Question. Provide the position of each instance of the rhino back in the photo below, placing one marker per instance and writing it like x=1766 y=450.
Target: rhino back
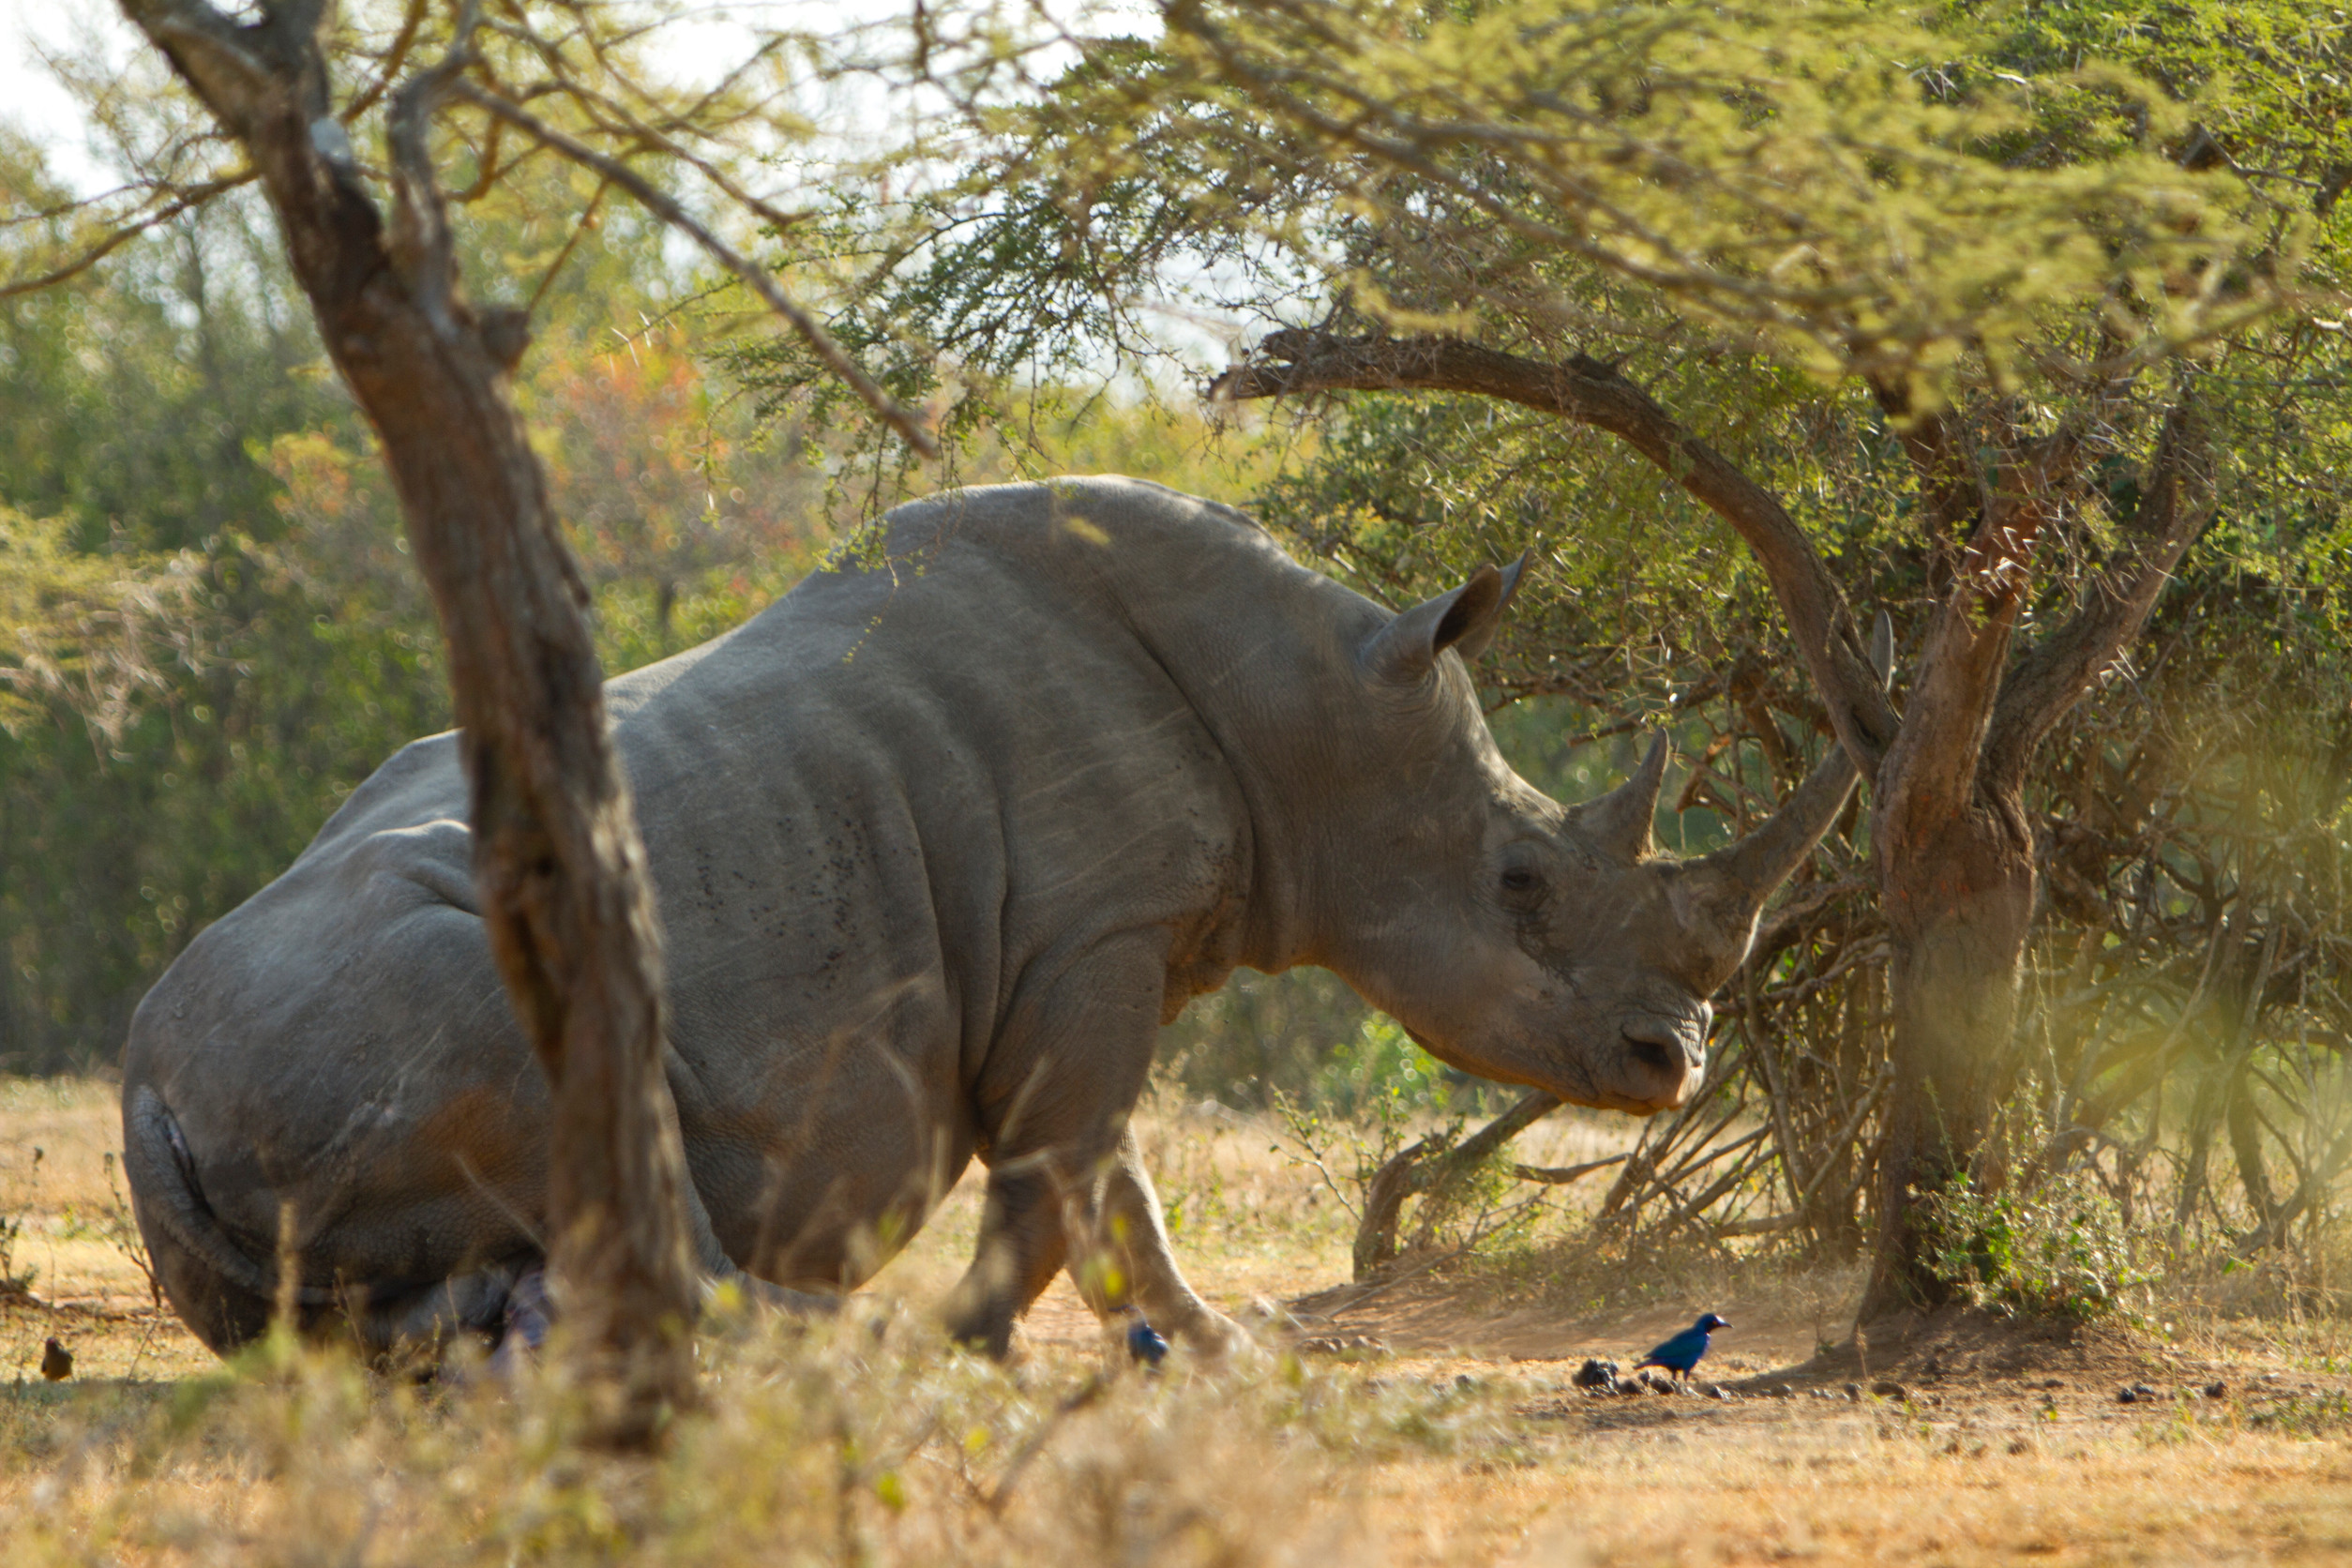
x=881 y=817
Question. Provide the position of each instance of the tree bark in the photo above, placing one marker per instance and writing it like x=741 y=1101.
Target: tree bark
x=1959 y=906
x=559 y=868
x=1949 y=836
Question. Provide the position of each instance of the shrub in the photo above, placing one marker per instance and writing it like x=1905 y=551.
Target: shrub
x=2063 y=1250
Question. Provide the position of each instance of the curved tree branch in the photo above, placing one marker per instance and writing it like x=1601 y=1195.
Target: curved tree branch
x=193 y=197
x=1586 y=391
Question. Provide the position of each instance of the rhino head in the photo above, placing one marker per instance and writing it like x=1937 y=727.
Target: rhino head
x=1515 y=937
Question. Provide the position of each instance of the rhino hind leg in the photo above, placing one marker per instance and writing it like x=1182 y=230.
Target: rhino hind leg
x=1104 y=1226
x=229 y=1296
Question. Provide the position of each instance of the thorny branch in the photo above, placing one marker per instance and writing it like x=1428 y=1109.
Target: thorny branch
x=1299 y=362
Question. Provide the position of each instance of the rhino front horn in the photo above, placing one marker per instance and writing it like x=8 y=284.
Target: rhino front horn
x=1745 y=873
x=1621 y=818
x=1743 y=876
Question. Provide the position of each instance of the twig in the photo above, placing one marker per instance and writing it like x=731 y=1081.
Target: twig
x=195 y=197
x=1088 y=1392
x=821 y=342
x=1561 y=1175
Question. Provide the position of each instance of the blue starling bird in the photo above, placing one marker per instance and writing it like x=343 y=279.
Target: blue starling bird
x=1144 y=1342
x=1680 y=1353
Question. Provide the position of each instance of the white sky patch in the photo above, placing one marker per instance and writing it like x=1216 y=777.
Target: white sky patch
x=35 y=102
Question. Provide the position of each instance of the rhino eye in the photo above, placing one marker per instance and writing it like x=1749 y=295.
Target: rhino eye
x=1519 y=879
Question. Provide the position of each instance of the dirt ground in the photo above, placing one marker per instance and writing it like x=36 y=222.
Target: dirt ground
x=1955 y=1440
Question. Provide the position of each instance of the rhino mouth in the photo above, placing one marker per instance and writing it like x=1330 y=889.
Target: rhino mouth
x=1573 y=1083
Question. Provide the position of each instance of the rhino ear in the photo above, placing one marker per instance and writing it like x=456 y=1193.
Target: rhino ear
x=1464 y=619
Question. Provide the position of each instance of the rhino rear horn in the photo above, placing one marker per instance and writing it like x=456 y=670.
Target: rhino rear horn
x=1464 y=619
x=1621 y=818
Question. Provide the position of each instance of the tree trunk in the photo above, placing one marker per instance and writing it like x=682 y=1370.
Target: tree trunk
x=558 y=865
x=557 y=859
x=1959 y=908
x=556 y=855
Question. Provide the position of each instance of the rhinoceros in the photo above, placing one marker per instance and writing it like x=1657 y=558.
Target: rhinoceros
x=940 y=840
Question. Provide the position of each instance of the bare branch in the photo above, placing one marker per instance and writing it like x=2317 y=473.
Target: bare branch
x=394 y=59
x=900 y=418
x=667 y=147
x=211 y=52
x=1298 y=361
x=420 y=241
x=186 y=201
x=2052 y=677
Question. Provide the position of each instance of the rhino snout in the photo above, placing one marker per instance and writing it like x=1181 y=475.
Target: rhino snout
x=1667 y=1055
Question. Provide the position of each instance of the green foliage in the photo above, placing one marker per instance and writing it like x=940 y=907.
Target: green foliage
x=1378 y=1076
x=2062 y=1251
x=210 y=631
x=2315 y=1417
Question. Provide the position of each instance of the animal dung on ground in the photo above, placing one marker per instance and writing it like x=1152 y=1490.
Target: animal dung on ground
x=56 y=1361
x=2217 y=1389
x=1597 y=1375
x=2137 y=1393
x=1344 y=1345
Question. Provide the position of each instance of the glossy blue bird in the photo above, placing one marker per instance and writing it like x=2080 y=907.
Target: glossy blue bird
x=1144 y=1342
x=1680 y=1353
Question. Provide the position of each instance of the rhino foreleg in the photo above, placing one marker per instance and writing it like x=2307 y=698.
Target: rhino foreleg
x=1066 y=1183
x=1133 y=1236
x=1055 y=1100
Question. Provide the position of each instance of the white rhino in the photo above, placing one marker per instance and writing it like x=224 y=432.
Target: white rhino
x=940 y=840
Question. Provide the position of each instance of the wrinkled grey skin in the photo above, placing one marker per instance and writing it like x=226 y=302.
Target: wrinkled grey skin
x=938 y=846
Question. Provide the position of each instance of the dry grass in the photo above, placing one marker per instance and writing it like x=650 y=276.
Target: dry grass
x=868 y=1440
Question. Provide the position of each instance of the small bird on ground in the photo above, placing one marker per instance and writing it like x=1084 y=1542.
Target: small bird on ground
x=1144 y=1342
x=1680 y=1353
x=56 y=1361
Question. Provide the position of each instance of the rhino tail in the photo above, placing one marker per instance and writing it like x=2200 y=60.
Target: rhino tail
x=167 y=1197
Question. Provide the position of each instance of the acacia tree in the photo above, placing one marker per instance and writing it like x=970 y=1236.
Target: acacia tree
x=355 y=125
x=2025 y=241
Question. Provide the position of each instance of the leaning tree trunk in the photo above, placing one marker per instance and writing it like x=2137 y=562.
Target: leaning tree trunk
x=558 y=865
x=557 y=859
x=1958 y=910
